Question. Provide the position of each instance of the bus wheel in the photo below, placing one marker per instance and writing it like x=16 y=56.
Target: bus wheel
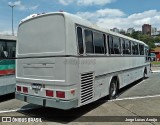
x=144 y=74
x=113 y=89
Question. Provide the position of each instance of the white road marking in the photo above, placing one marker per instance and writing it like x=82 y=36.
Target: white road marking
x=15 y=110
x=138 y=97
x=155 y=71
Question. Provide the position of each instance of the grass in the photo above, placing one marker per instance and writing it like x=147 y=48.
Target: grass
x=155 y=63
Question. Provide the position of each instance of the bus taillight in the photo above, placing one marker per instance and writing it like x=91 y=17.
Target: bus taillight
x=49 y=93
x=19 y=88
x=60 y=94
x=25 y=89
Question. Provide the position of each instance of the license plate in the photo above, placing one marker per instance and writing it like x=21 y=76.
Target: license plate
x=36 y=86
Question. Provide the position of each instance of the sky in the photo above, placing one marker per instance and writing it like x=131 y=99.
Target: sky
x=108 y=14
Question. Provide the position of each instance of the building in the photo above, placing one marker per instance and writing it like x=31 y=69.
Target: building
x=146 y=29
x=130 y=30
x=122 y=32
x=153 y=31
x=156 y=34
x=157 y=44
x=115 y=30
x=156 y=52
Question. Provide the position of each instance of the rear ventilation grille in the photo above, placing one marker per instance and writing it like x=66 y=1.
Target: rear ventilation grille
x=86 y=87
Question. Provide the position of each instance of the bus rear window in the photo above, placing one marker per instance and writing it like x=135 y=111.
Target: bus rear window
x=47 y=37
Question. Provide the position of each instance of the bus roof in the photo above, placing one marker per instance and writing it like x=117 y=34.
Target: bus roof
x=7 y=37
x=78 y=20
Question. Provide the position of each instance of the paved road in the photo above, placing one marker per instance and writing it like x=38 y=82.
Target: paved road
x=140 y=99
x=150 y=86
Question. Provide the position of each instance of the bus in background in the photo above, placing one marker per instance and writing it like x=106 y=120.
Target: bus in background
x=64 y=61
x=7 y=64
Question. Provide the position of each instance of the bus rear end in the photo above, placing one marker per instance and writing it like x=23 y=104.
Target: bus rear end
x=41 y=69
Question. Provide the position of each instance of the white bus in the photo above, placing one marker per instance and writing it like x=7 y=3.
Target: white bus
x=66 y=62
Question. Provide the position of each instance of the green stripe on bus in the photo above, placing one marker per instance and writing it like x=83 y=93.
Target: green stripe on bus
x=7 y=62
x=6 y=67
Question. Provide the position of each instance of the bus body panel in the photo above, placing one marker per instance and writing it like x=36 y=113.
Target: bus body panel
x=42 y=69
x=32 y=71
x=48 y=70
x=128 y=70
x=7 y=84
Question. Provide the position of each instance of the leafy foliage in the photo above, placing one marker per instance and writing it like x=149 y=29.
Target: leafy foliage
x=145 y=38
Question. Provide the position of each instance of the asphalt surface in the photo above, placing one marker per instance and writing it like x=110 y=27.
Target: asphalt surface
x=141 y=100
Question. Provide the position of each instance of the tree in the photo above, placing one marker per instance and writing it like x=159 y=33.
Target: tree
x=151 y=45
x=149 y=40
x=157 y=39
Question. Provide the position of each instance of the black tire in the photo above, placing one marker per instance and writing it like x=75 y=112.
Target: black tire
x=113 y=89
x=144 y=76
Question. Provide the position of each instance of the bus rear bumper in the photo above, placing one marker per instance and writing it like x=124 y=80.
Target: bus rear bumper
x=60 y=104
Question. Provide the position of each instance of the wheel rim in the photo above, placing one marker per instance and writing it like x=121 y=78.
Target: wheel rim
x=113 y=89
x=144 y=75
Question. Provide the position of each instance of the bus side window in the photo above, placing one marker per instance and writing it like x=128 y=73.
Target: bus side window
x=127 y=47
x=105 y=46
x=3 y=50
x=11 y=49
x=133 y=49
x=99 y=43
x=116 y=45
x=123 y=46
x=110 y=44
x=141 y=49
x=3 y=53
x=147 y=54
x=136 y=49
x=80 y=40
x=89 y=41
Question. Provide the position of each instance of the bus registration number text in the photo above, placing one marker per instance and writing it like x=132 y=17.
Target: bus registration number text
x=36 y=87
